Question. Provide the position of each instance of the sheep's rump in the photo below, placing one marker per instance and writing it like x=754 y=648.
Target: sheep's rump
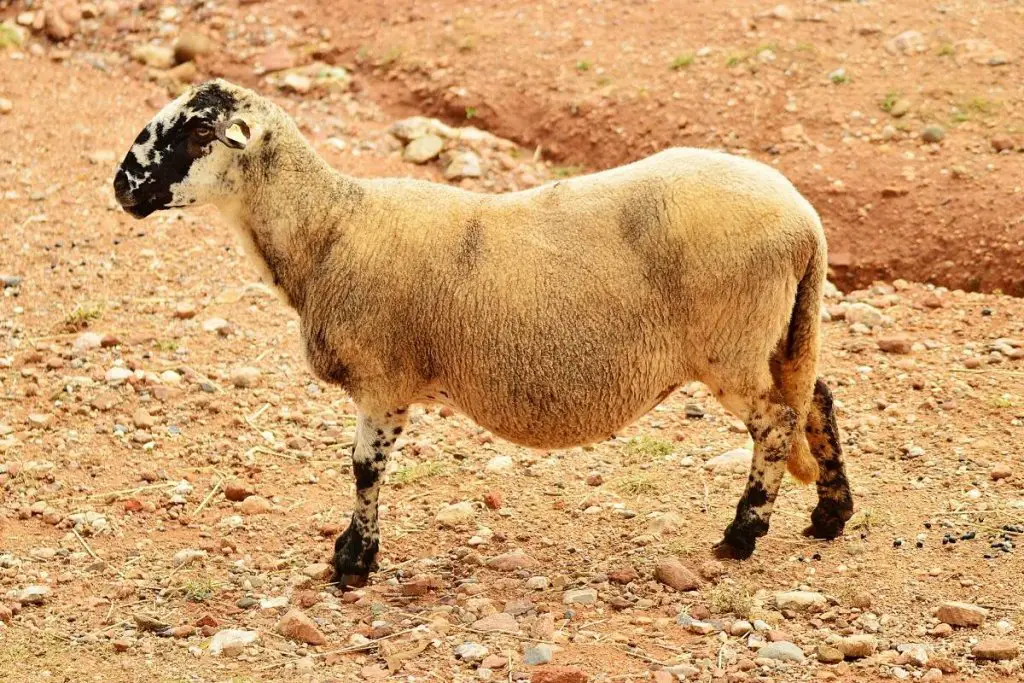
x=557 y=315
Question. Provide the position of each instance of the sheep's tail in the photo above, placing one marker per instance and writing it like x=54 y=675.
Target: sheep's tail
x=798 y=359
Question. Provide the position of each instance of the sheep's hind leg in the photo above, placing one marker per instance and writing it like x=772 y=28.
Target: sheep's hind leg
x=835 y=503
x=771 y=425
x=355 y=551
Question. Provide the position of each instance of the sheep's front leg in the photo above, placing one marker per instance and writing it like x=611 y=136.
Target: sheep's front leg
x=771 y=426
x=355 y=551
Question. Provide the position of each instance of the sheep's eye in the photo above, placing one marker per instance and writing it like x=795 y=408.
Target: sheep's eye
x=203 y=134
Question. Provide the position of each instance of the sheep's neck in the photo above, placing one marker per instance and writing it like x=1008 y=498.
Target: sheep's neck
x=290 y=218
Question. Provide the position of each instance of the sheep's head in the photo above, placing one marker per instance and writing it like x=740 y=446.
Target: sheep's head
x=190 y=152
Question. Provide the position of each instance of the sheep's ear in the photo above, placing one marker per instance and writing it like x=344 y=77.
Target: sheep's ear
x=233 y=133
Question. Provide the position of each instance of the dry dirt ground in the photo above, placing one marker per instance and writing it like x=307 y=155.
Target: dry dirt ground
x=122 y=342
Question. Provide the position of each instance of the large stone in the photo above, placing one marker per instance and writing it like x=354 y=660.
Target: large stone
x=800 y=601
x=672 y=573
x=995 y=649
x=156 y=56
x=297 y=626
x=961 y=614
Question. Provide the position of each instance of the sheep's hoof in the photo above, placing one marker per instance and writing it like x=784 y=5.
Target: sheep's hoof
x=734 y=547
x=354 y=559
x=828 y=523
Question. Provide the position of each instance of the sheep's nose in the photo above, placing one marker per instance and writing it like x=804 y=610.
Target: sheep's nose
x=123 y=190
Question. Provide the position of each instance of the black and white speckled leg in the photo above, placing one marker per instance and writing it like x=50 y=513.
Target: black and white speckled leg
x=835 y=502
x=355 y=551
x=771 y=425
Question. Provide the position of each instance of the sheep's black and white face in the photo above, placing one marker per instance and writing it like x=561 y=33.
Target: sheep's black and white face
x=187 y=155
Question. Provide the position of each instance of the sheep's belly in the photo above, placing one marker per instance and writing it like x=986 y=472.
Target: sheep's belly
x=560 y=422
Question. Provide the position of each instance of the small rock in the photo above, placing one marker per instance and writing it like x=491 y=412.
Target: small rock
x=215 y=324
x=623 y=576
x=296 y=83
x=829 y=655
x=740 y=628
x=666 y=524
x=256 y=505
x=782 y=651
x=297 y=626
x=494 y=662
x=1003 y=143
x=145 y=622
x=538 y=583
x=88 y=341
x=800 y=601
x=899 y=108
x=941 y=631
x=189 y=45
x=864 y=314
x=1001 y=471
x=580 y=596
x=156 y=56
x=32 y=595
x=6 y=107
x=594 y=479
x=862 y=600
x=423 y=149
x=898 y=345
x=456 y=515
x=39 y=420
x=237 y=491
x=672 y=573
x=858 y=647
x=493 y=500
x=511 y=561
x=142 y=419
x=908 y=43
x=712 y=570
x=318 y=572
x=537 y=655
x=499 y=621
x=559 y=674
x=961 y=614
x=57 y=27
x=995 y=649
x=245 y=378
x=231 y=641
x=471 y=652
x=463 y=165
x=183 y=558
x=933 y=133
x=736 y=460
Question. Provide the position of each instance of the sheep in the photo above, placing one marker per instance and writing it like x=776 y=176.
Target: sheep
x=553 y=317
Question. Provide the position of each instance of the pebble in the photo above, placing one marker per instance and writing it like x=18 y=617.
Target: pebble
x=245 y=378
x=829 y=655
x=499 y=621
x=1001 y=471
x=666 y=524
x=623 y=576
x=933 y=133
x=511 y=561
x=858 y=647
x=537 y=655
x=215 y=324
x=864 y=314
x=463 y=165
x=800 y=601
x=297 y=83
x=538 y=583
x=471 y=652
x=320 y=571
x=995 y=649
x=32 y=595
x=237 y=491
x=783 y=651
x=231 y=641
x=297 y=626
x=493 y=500
x=256 y=505
x=499 y=463
x=896 y=345
x=862 y=600
x=185 y=557
x=456 y=514
x=494 y=662
x=672 y=573
x=740 y=628
x=184 y=310
x=117 y=375
x=189 y=45
x=580 y=596
x=6 y=107
x=423 y=149
x=961 y=614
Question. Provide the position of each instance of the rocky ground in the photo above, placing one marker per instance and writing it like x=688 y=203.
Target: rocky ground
x=172 y=477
